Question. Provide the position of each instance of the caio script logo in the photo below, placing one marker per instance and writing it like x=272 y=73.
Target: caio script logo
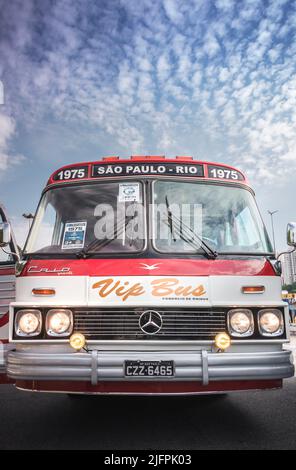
x=164 y=287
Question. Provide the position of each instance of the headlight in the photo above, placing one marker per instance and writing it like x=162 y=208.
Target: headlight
x=59 y=322
x=28 y=322
x=240 y=322
x=271 y=322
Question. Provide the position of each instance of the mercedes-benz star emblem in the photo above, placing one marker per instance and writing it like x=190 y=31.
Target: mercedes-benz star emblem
x=150 y=322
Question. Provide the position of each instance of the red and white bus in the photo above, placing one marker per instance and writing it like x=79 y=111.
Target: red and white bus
x=148 y=275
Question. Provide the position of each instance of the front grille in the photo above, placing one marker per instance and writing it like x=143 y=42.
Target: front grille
x=123 y=324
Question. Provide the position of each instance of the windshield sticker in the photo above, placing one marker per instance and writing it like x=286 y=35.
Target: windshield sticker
x=74 y=235
x=129 y=192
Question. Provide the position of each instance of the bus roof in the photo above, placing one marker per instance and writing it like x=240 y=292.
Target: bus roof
x=148 y=165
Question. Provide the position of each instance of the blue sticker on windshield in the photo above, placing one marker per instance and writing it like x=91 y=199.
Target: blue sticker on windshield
x=74 y=235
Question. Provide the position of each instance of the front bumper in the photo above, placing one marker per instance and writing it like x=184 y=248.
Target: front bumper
x=3 y=355
x=4 y=348
x=107 y=366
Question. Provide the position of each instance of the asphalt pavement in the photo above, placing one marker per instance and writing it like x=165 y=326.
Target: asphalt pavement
x=245 y=420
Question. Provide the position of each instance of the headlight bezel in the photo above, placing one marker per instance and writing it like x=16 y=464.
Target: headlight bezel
x=234 y=333
x=55 y=311
x=280 y=331
x=28 y=311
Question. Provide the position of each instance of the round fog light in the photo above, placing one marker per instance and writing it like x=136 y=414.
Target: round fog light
x=222 y=341
x=77 y=341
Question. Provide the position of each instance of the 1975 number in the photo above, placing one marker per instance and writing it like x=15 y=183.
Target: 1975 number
x=71 y=174
x=224 y=173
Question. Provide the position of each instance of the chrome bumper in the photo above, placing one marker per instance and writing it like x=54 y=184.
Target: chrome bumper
x=202 y=366
x=4 y=350
x=3 y=358
x=2 y=364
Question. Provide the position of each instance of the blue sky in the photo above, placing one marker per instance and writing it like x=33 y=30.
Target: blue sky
x=213 y=79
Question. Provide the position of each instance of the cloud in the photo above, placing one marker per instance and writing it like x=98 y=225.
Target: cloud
x=20 y=229
x=207 y=78
x=211 y=45
x=225 y=5
x=7 y=131
x=172 y=10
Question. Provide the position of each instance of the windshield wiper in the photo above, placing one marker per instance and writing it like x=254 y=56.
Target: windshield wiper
x=109 y=237
x=175 y=222
x=170 y=218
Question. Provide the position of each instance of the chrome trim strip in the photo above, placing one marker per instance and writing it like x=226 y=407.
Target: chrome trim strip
x=157 y=343
x=4 y=349
x=205 y=367
x=7 y=266
x=94 y=367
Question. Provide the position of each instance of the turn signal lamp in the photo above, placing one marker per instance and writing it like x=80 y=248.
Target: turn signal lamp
x=41 y=291
x=222 y=341
x=77 y=341
x=253 y=289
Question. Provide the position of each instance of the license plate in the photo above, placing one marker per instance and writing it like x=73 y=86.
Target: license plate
x=149 y=368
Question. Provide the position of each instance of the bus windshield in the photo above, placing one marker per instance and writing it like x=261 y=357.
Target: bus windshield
x=106 y=216
x=183 y=218
x=226 y=218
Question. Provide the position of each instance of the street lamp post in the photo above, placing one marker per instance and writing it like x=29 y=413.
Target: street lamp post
x=29 y=217
x=271 y=213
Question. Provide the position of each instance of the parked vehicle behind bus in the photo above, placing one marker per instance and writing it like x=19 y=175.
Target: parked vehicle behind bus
x=148 y=276
x=8 y=257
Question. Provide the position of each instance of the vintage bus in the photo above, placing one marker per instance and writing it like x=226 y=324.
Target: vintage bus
x=148 y=275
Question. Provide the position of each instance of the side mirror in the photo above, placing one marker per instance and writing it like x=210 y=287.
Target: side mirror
x=291 y=234
x=5 y=234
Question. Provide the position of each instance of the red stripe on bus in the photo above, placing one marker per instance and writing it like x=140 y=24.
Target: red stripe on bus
x=4 y=380
x=4 y=320
x=149 y=267
x=7 y=272
x=147 y=387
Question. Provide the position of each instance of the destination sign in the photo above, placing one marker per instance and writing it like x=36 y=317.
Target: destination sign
x=139 y=168
x=153 y=169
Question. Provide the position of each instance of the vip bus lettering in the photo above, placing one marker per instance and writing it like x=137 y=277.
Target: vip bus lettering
x=121 y=289
x=159 y=288
x=171 y=286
